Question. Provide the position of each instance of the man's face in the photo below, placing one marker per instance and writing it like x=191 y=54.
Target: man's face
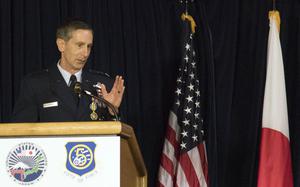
x=75 y=51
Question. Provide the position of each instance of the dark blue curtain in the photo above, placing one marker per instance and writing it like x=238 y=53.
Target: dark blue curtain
x=141 y=40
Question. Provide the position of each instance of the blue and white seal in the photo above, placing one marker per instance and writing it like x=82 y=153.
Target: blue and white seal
x=26 y=163
x=80 y=157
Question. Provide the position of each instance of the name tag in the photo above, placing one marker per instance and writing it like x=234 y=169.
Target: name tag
x=52 y=104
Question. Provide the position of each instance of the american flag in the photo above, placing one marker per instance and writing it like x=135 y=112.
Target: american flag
x=183 y=161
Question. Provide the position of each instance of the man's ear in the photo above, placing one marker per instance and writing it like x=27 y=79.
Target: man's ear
x=60 y=44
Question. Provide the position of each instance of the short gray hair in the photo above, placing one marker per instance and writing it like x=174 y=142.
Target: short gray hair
x=65 y=30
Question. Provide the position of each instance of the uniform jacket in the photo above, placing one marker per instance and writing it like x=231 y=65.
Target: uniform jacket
x=45 y=97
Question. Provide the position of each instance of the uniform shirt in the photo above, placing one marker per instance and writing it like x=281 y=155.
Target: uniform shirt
x=66 y=75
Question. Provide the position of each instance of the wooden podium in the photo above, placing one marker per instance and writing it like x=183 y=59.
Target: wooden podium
x=132 y=169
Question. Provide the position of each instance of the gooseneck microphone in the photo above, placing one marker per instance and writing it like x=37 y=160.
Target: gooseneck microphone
x=79 y=90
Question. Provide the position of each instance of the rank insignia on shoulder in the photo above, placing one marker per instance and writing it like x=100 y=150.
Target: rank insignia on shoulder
x=100 y=73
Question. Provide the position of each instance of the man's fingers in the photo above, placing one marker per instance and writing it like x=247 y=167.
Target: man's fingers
x=103 y=89
x=120 y=85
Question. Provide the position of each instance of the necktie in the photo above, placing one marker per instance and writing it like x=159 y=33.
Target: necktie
x=72 y=82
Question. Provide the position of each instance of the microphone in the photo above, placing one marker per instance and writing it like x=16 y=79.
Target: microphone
x=79 y=90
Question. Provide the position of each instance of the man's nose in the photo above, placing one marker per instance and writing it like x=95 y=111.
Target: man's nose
x=85 y=52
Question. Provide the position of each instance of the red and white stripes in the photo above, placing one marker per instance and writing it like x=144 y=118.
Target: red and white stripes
x=181 y=170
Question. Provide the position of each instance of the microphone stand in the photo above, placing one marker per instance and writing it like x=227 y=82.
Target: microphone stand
x=79 y=90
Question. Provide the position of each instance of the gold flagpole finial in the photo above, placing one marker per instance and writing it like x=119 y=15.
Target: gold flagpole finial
x=191 y=20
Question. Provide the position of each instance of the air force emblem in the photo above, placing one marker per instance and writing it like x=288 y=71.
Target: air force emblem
x=80 y=157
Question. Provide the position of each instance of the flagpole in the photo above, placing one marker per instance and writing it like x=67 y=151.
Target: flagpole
x=274 y=5
x=186 y=7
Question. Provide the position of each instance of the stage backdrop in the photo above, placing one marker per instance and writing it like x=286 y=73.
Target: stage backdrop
x=141 y=40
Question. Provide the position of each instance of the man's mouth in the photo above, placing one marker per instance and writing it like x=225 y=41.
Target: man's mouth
x=81 y=61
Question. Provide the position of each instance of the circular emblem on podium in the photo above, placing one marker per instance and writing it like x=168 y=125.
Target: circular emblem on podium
x=81 y=156
x=26 y=163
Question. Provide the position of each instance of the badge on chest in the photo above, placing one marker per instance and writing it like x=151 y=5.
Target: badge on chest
x=93 y=107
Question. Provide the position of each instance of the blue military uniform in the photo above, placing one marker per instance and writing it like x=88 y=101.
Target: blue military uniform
x=45 y=97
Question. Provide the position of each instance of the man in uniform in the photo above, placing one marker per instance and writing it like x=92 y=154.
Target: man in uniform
x=49 y=95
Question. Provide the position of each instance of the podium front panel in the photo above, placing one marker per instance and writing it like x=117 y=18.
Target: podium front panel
x=89 y=161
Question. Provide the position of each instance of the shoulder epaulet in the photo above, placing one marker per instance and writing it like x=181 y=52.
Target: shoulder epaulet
x=37 y=73
x=99 y=73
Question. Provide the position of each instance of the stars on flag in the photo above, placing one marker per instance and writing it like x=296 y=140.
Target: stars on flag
x=191 y=87
x=195 y=138
x=187 y=110
x=178 y=91
x=184 y=133
x=186 y=122
x=188 y=99
x=187 y=47
x=186 y=58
